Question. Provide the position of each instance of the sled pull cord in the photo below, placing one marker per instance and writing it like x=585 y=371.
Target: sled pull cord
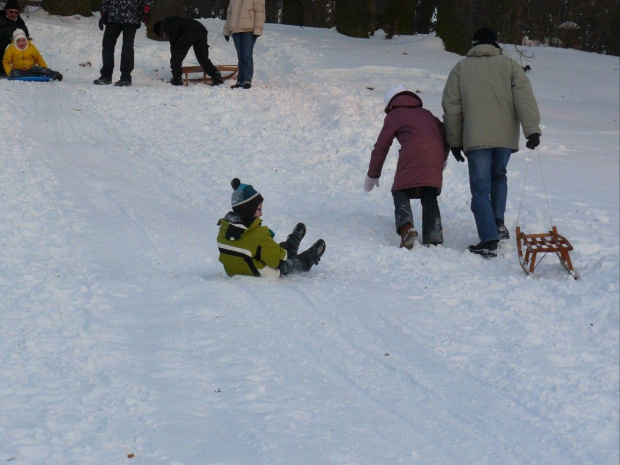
x=544 y=187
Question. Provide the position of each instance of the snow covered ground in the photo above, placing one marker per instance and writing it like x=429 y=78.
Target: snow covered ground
x=122 y=340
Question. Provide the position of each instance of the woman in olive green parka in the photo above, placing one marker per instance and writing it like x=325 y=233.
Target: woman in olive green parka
x=247 y=247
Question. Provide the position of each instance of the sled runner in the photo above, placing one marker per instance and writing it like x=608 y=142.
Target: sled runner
x=31 y=78
x=228 y=72
x=530 y=245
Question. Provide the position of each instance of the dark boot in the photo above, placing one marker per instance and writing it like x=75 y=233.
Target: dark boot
x=123 y=82
x=291 y=245
x=502 y=230
x=217 y=80
x=486 y=249
x=432 y=232
x=304 y=261
x=408 y=236
x=176 y=81
x=102 y=81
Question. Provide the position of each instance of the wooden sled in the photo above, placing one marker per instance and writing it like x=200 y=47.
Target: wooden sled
x=530 y=245
x=228 y=72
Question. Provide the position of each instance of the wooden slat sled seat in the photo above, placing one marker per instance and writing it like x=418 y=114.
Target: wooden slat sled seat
x=228 y=72
x=530 y=245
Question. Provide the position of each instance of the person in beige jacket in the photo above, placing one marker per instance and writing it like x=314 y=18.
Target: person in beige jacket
x=486 y=97
x=245 y=21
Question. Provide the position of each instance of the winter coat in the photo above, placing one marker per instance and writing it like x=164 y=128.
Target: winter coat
x=421 y=136
x=245 y=16
x=179 y=29
x=23 y=60
x=485 y=98
x=124 y=11
x=247 y=248
x=7 y=27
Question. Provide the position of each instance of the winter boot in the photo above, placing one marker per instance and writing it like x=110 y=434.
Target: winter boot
x=294 y=239
x=123 y=82
x=502 y=230
x=102 y=81
x=176 y=81
x=217 y=80
x=486 y=249
x=303 y=261
x=57 y=76
x=238 y=85
x=408 y=236
x=247 y=85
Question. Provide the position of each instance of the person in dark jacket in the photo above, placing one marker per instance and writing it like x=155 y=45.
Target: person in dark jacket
x=421 y=160
x=10 y=20
x=183 y=34
x=120 y=16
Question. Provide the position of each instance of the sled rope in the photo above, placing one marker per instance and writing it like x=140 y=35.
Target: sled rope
x=542 y=175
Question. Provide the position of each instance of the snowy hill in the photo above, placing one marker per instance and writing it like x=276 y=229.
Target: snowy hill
x=121 y=334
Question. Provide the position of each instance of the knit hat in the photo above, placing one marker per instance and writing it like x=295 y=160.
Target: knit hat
x=245 y=199
x=485 y=35
x=18 y=34
x=157 y=28
x=12 y=5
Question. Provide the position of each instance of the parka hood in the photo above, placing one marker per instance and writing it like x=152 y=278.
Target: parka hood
x=484 y=50
x=404 y=99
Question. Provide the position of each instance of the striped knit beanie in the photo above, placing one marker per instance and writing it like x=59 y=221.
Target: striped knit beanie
x=245 y=199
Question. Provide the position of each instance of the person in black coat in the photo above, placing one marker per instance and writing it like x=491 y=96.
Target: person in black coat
x=184 y=33
x=10 y=20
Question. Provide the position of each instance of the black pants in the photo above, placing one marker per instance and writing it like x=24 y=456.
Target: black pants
x=110 y=36
x=432 y=232
x=178 y=52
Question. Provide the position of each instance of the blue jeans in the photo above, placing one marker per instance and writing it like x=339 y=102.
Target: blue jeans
x=244 y=43
x=489 y=188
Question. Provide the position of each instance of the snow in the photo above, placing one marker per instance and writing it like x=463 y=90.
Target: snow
x=122 y=335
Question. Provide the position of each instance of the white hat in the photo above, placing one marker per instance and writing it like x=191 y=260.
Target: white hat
x=18 y=34
x=391 y=92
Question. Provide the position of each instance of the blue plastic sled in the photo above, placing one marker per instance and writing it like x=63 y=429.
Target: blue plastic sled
x=31 y=78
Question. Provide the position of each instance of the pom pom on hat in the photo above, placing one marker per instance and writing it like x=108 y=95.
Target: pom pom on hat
x=245 y=199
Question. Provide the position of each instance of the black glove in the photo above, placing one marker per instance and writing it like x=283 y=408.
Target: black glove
x=256 y=36
x=227 y=38
x=103 y=21
x=533 y=141
x=456 y=152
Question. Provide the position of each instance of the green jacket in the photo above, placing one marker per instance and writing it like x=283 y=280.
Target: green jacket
x=485 y=98
x=247 y=248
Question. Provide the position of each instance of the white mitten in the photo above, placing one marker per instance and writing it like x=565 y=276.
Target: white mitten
x=370 y=183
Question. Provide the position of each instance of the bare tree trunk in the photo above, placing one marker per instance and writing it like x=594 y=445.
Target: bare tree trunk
x=425 y=15
x=273 y=9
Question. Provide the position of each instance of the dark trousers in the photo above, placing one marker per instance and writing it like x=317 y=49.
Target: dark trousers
x=35 y=71
x=432 y=232
x=110 y=36
x=201 y=50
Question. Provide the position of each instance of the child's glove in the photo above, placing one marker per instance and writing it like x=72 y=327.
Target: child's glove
x=103 y=21
x=370 y=183
x=227 y=38
x=146 y=14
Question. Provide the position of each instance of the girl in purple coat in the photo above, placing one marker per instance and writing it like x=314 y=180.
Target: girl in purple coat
x=421 y=160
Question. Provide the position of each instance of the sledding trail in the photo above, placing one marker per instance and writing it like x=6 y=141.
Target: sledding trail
x=121 y=334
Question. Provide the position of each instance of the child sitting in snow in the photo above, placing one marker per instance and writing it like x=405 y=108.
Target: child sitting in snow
x=421 y=160
x=22 y=59
x=247 y=248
